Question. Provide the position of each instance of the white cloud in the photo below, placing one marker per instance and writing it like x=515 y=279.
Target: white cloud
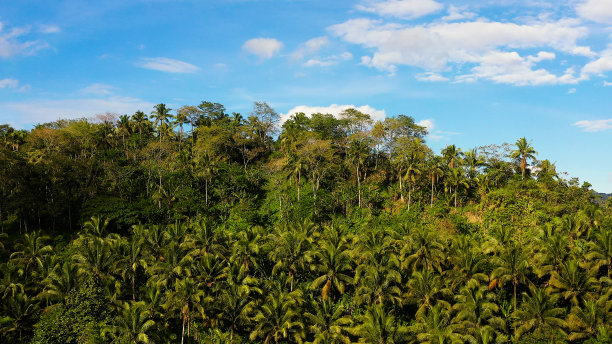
x=329 y=60
x=435 y=46
x=333 y=109
x=427 y=123
x=455 y=13
x=607 y=83
x=165 y=64
x=406 y=9
x=571 y=91
x=41 y=111
x=596 y=125
x=265 y=48
x=596 y=10
x=11 y=42
x=312 y=46
x=431 y=77
x=13 y=84
x=9 y=83
x=48 y=29
x=511 y=68
x=98 y=89
x=599 y=66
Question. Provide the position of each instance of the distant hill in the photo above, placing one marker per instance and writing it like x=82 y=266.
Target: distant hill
x=604 y=197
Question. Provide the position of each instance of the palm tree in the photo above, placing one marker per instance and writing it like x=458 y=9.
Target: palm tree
x=185 y=298
x=62 y=281
x=161 y=115
x=539 y=313
x=379 y=326
x=290 y=251
x=132 y=325
x=278 y=318
x=457 y=180
x=425 y=288
x=587 y=321
x=475 y=307
x=130 y=261
x=358 y=152
x=413 y=170
x=295 y=166
x=238 y=296
x=329 y=323
x=434 y=173
x=452 y=155
x=524 y=151
x=423 y=251
x=512 y=266
x=333 y=264
x=434 y=327
x=600 y=251
x=473 y=161
x=573 y=283
x=31 y=250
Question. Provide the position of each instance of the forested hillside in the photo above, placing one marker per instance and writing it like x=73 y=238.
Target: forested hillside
x=195 y=225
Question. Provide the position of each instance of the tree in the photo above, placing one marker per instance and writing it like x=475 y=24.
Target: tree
x=278 y=319
x=512 y=266
x=539 y=314
x=132 y=325
x=162 y=116
x=523 y=152
x=328 y=322
x=379 y=326
x=267 y=118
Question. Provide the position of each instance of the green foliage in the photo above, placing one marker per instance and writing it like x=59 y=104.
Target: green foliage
x=205 y=227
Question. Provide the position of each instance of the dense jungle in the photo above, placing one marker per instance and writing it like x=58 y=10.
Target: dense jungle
x=197 y=225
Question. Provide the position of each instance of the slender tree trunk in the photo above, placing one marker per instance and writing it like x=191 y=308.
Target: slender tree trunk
x=183 y=332
x=514 y=283
x=432 y=192
x=206 y=189
x=298 y=180
x=358 y=188
x=409 y=195
x=401 y=188
x=455 y=197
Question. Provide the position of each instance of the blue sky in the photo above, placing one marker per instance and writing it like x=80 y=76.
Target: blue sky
x=475 y=72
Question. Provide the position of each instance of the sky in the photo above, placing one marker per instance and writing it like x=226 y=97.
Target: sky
x=475 y=72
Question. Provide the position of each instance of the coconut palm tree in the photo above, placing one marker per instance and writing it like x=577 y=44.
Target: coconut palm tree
x=425 y=289
x=278 y=318
x=523 y=152
x=600 y=251
x=328 y=322
x=379 y=326
x=132 y=325
x=573 y=283
x=332 y=265
x=512 y=266
x=539 y=314
x=435 y=327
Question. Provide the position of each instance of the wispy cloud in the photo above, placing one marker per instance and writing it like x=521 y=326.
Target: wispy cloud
x=310 y=47
x=405 y=9
x=98 y=89
x=12 y=42
x=27 y=113
x=49 y=29
x=264 y=48
x=9 y=83
x=13 y=84
x=431 y=77
x=596 y=125
x=165 y=64
x=329 y=60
